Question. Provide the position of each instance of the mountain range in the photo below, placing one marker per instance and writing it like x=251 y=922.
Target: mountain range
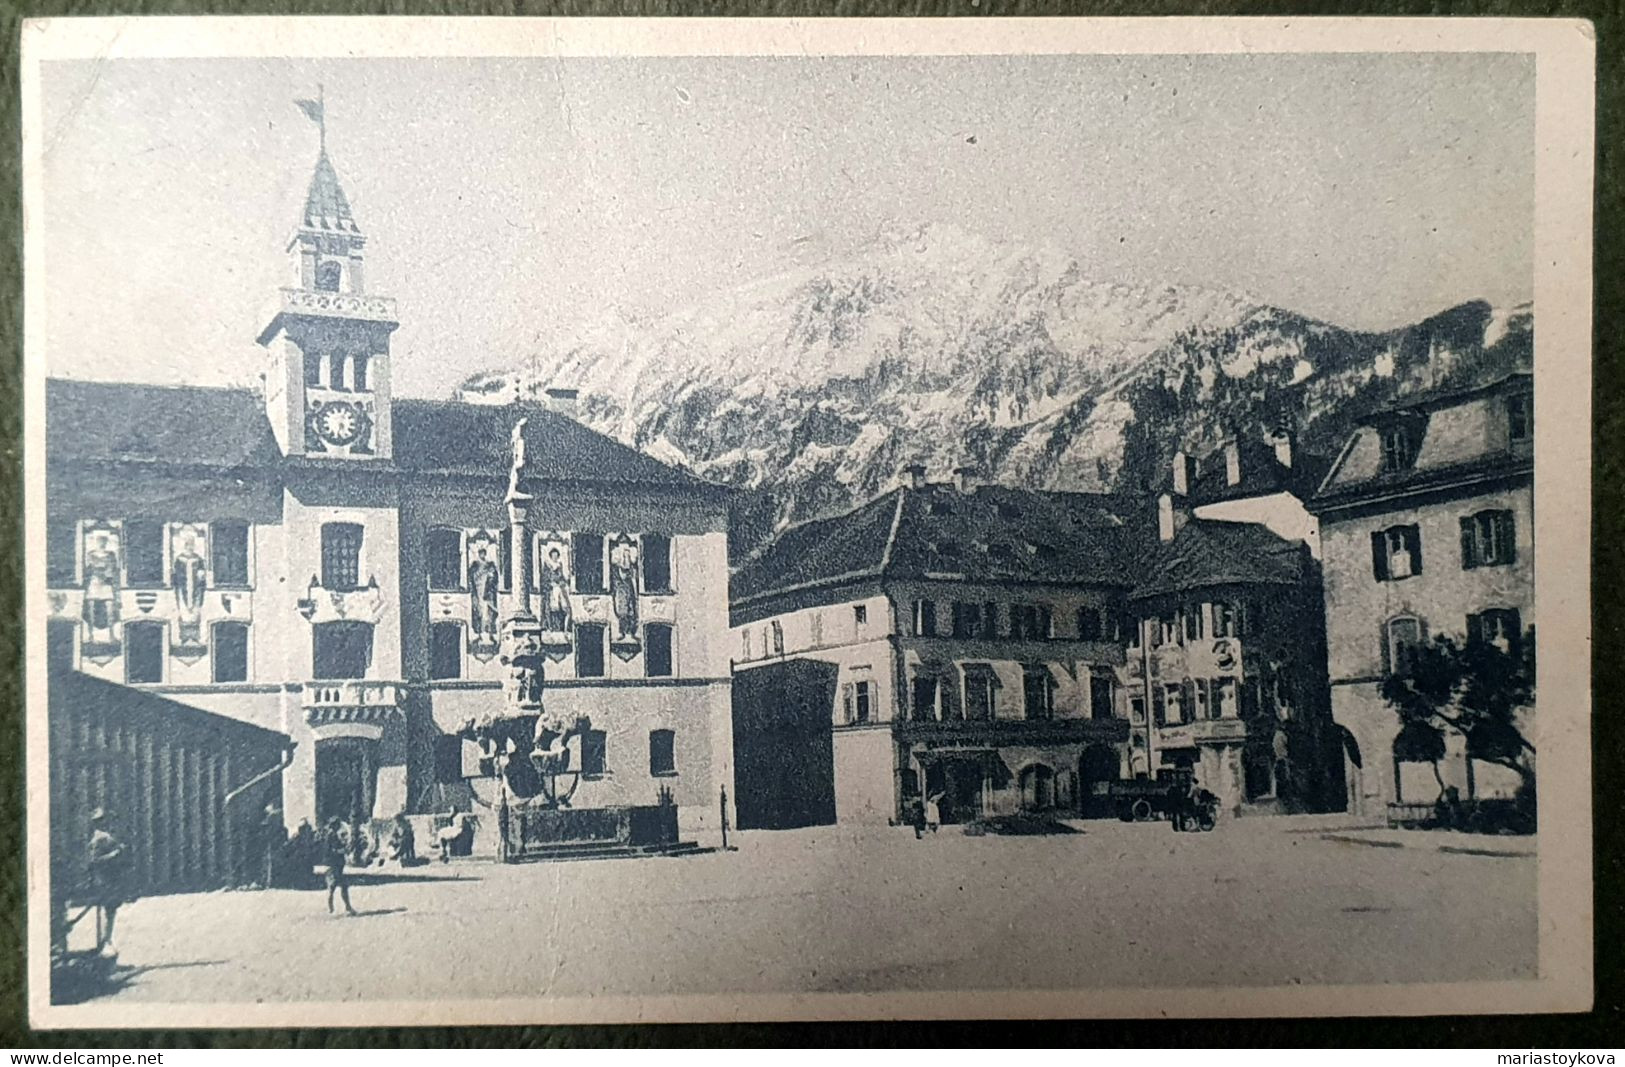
x=810 y=390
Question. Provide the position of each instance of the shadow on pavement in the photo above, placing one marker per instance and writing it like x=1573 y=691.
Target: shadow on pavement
x=364 y=877
x=103 y=977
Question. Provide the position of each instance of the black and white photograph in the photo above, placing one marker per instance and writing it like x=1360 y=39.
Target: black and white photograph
x=597 y=520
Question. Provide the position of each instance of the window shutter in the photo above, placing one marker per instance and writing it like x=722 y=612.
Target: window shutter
x=1469 y=555
x=1379 y=555
x=1514 y=626
x=1475 y=629
x=1413 y=539
x=1509 y=535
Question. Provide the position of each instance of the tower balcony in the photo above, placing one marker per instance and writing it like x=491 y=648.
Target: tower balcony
x=354 y=707
x=338 y=305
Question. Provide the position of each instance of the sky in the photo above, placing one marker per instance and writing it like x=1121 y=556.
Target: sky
x=507 y=200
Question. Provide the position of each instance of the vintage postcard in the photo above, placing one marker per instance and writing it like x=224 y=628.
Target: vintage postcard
x=596 y=520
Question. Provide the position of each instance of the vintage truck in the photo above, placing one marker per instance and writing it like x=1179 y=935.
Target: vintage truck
x=1166 y=797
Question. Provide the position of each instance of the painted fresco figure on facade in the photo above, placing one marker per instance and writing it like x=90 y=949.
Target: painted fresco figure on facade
x=101 y=604
x=555 y=589
x=189 y=578
x=483 y=580
x=623 y=587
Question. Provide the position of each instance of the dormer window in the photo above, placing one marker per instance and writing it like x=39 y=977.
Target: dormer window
x=328 y=276
x=1398 y=448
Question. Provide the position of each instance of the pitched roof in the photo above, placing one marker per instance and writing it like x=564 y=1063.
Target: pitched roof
x=1444 y=453
x=1456 y=392
x=1208 y=553
x=453 y=436
x=83 y=693
x=852 y=545
x=993 y=534
x=326 y=206
x=227 y=428
x=1262 y=473
x=183 y=425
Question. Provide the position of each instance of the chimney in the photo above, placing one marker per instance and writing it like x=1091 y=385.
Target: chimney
x=1232 y=461
x=966 y=478
x=1182 y=473
x=914 y=476
x=1283 y=447
x=562 y=401
x=1169 y=518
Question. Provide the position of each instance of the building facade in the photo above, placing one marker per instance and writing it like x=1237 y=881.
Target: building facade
x=1226 y=654
x=325 y=560
x=1427 y=527
x=953 y=641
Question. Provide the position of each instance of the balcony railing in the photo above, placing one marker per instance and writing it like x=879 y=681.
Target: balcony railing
x=355 y=700
x=339 y=305
x=1203 y=731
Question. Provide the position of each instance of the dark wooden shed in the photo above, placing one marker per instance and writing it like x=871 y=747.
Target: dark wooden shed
x=186 y=789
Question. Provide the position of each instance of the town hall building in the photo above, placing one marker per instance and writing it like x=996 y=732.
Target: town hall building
x=322 y=559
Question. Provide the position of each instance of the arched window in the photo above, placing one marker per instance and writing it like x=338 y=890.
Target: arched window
x=328 y=275
x=1401 y=637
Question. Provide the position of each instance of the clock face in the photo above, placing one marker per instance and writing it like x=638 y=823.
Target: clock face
x=338 y=423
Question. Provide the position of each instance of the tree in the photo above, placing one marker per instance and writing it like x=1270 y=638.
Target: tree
x=1475 y=689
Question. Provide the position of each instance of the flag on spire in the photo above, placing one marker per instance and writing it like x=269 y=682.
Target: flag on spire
x=316 y=111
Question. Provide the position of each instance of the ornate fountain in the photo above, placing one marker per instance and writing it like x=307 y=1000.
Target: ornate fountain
x=528 y=750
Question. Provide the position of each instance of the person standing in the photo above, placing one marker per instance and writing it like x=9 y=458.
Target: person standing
x=402 y=843
x=334 y=853
x=109 y=874
x=273 y=840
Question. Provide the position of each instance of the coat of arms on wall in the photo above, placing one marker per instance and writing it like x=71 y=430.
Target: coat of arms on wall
x=189 y=578
x=557 y=615
x=623 y=595
x=483 y=551
x=103 y=571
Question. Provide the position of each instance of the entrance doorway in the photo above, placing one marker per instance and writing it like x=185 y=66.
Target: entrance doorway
x=959 y=781
x=343 y=779
x=1097 y=770
x=1037 y=788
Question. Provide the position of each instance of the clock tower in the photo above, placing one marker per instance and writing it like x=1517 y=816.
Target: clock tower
x=327 y=383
